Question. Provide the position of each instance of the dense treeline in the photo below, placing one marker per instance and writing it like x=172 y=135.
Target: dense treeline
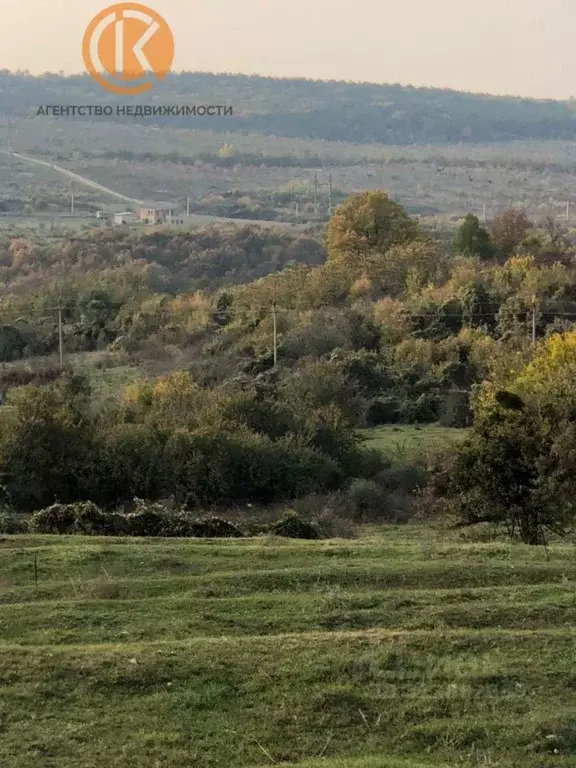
x=184 y=260
x=353 y=112
x=172 y=439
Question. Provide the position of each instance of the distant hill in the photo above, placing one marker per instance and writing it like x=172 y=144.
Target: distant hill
x=333 y=110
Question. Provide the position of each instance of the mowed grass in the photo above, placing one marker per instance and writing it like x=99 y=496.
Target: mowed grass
x=403 y=441
x=402 y=649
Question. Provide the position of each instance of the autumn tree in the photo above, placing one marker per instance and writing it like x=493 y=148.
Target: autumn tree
x=509 y=230
x=517 y=467
x=368 y=223
x=473 y=239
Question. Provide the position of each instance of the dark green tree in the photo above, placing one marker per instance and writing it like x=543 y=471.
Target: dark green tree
x=47 y=445
x=473 y=239
x=12 y=343
x=515 y=470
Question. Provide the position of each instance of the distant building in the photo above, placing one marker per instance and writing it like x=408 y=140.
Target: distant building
x=159 y=216
x=127 y=217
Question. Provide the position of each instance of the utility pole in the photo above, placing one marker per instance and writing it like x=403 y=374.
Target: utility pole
x=533 y=320
x=274 y=315
x=9 y=143
x=567 y=209
x=72 y=200
x=60 y=336
x=188 y=207
x=484 y=214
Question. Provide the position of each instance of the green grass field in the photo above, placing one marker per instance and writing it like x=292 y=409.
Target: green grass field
x=403 y=649
x=406 y=441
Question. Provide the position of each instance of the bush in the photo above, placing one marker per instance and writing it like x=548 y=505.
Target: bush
x=255 y=528
x=149 y=520
x=331 y=527
x=83 y=517
x=92 y=521
x=293 y=527
x=58 y=518
x=403 y=478
x=424 y=410
x=367 y=501
x=12 y=343
x=155 y=520
x=455 y=410
x=214 y=528
x=383 y=411
x=11 y=523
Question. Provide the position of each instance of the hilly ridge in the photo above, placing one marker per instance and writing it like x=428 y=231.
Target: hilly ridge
x=330 y=110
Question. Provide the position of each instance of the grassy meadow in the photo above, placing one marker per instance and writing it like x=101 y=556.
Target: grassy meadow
x=404 y=441
x=405 y=648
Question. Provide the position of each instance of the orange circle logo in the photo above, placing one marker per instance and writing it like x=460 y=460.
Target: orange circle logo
x=127 y=48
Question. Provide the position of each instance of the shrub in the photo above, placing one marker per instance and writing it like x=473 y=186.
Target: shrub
x=46 y=446
x=331 y=527
x=91 y=520
x=424 y=410
x=294 y=527
x=455 y=410
x=256 y=528
x=383 y=411
x=11 y=523
x=12 y=343
x=58 y=518
x=214 y=528
x=366 y=500
x=403 y=478
x=82 y=517
x=148 y=520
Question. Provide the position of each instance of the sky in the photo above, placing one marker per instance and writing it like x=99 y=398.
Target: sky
x=521 y=47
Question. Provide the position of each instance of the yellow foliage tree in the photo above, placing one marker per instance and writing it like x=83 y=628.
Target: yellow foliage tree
x=368 y=223
x=551 y=376
x=191 y=311
x=546 y=378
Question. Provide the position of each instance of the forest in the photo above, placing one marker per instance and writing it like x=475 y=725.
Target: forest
x=213 y=370
x=343 y=111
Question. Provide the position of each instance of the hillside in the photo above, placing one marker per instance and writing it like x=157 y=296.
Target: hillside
x=401 y=650
x=337 y=111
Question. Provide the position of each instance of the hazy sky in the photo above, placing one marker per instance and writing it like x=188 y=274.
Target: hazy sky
x=499 y=46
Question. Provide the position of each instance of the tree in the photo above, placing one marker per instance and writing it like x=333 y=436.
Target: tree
x=368 y=223
x=473 y=239
x=556 y=232
x=517 y=467
x=517 y=470
x=509 y=230
x=47 y=444
x=12 y=343
x=549 y=380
